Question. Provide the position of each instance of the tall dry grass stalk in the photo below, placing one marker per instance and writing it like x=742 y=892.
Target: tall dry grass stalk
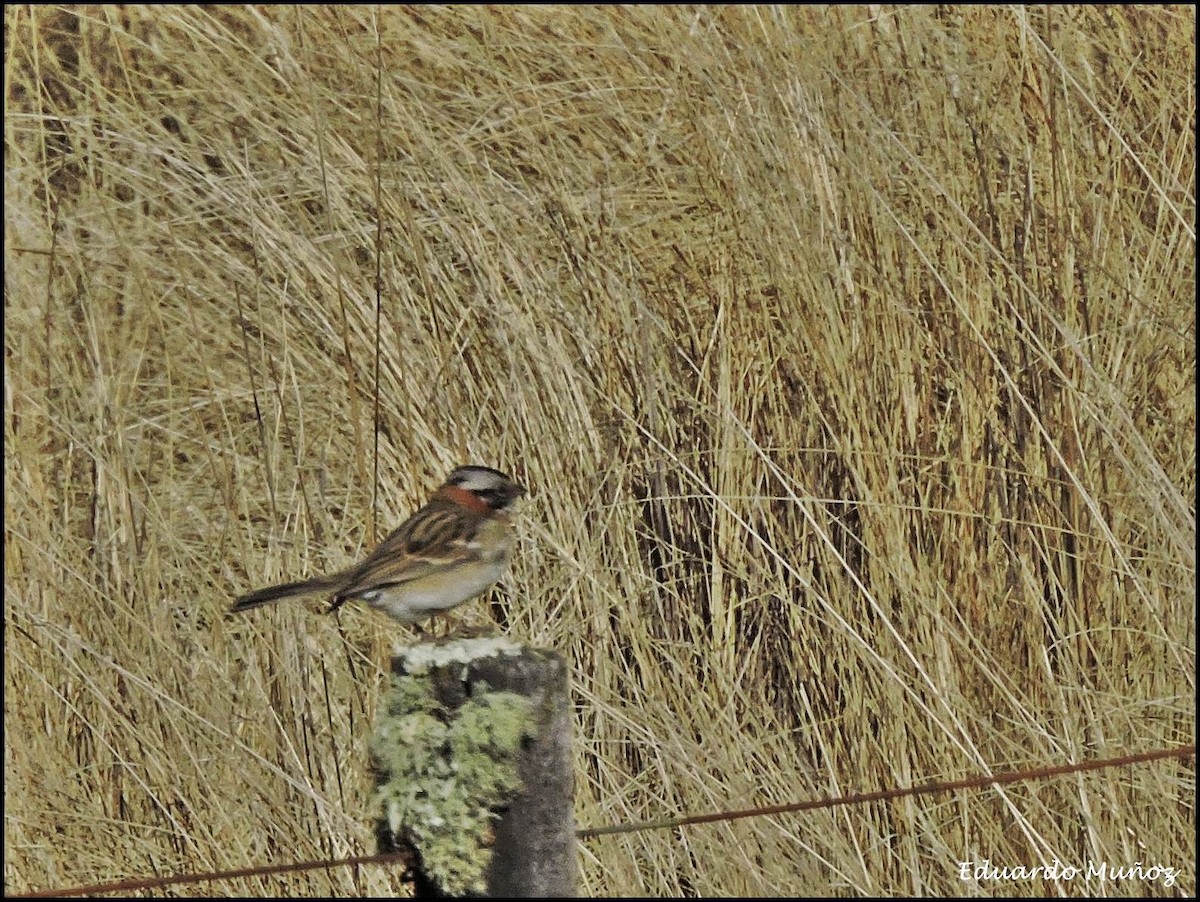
x=849 y=354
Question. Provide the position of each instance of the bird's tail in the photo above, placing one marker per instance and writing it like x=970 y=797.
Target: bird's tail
x=280 y=592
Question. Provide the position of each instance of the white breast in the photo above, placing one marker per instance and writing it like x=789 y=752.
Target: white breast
x=420 y=599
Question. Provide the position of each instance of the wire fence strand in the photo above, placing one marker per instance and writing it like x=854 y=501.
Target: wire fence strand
x=862 y=798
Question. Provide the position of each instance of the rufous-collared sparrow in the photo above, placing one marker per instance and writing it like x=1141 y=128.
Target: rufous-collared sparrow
x=453 y=549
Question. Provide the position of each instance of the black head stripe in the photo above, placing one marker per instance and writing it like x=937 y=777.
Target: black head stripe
x=463 y=474
x=494 y=488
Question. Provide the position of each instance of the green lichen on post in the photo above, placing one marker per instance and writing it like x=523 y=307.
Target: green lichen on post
x=443 y=772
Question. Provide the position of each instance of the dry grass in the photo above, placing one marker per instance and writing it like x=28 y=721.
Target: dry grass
x=849 y=353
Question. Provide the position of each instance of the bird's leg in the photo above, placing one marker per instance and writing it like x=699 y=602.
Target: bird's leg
x=439 y=617
x=427 y=633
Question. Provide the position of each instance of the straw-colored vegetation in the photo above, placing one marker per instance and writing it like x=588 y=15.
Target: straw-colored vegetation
x=848 y=354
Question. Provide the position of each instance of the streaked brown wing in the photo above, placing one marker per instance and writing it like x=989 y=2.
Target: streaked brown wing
x=435 y=539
